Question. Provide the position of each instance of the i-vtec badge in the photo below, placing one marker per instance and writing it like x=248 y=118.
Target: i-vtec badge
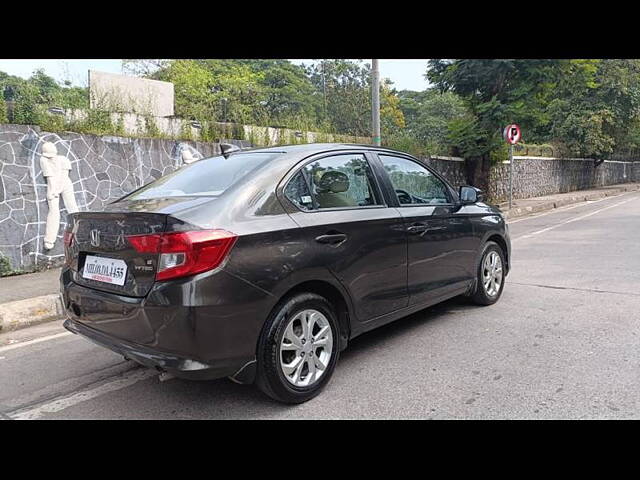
x=94 y=237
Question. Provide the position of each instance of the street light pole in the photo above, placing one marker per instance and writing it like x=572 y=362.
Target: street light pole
x=375 y=101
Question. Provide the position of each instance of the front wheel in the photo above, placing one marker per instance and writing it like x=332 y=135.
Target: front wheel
x=490 y=275
x=298 y=349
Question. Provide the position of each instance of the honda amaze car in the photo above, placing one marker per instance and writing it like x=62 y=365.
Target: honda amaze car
x=260 y=265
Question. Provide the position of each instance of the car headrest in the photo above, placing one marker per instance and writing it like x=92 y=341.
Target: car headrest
x=333 y=181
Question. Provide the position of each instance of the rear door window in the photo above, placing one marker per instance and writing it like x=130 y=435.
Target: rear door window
x=339 y=181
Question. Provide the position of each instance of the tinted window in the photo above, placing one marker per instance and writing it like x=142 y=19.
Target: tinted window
x=208 y=177
x=339 y=181
x=413 y=183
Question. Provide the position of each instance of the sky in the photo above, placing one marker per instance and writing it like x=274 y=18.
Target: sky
x=405 y=74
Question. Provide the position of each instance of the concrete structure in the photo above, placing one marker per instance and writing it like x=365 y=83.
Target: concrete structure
x=123 y=93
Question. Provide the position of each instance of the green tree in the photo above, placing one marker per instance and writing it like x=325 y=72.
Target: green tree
x=428 y=115
x=344 y=87
x=596 y=109
x=290 y=97
x=495 y=93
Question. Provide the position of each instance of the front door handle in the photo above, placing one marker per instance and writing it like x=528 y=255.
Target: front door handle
x=332 y=239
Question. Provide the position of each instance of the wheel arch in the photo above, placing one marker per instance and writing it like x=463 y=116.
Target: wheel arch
x=499 y=239
x=334 y=296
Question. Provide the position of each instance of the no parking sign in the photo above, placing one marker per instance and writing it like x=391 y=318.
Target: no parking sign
x=512 y=134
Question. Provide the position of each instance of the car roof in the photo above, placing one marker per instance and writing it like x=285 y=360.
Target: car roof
x=311 y=148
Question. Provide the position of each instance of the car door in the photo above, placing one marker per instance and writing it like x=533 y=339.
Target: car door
x=441 y=245
x=347 y=227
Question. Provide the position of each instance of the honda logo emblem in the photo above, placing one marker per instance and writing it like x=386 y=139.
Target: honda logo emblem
x=94 y=236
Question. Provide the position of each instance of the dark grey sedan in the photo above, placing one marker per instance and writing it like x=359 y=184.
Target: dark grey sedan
x=261 y=265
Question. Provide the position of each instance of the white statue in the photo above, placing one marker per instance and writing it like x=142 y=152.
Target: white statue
x=187 y=157
x=55 y=168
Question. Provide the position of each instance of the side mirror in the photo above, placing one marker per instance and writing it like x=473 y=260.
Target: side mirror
x=470 y=195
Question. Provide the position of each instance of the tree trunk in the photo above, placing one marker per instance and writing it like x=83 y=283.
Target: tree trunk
x=477 y=170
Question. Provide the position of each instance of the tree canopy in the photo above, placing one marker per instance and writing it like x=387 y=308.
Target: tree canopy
x=583 y=108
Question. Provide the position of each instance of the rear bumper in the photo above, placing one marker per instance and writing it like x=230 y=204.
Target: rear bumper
x=178 y=366
x=170 y=331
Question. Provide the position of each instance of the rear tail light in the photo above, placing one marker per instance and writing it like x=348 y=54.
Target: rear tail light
x=185 y=253
x=67 y=241
x=68 y=238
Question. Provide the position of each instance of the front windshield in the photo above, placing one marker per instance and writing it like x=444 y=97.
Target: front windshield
x=206 y=177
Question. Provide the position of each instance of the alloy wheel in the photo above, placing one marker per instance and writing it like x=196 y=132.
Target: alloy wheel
x=492 y=274
x=305 y=348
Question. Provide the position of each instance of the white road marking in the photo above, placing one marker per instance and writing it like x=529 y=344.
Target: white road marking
x=575 y=219
x=13 y=345
x=569 y=207
x=60 y=404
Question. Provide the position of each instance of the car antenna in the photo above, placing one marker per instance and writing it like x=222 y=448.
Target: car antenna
x=228 y=148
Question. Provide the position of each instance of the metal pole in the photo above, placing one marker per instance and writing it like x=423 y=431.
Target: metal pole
x=375 y=101
x=510 y=175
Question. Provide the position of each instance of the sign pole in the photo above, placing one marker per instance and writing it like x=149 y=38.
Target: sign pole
x=375 y=101
x=510 y=174
x=512 y=135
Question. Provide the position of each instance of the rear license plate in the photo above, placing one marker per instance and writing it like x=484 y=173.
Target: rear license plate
x=107 y=270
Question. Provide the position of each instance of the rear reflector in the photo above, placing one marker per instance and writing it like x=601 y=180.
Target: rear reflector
x=185 y=253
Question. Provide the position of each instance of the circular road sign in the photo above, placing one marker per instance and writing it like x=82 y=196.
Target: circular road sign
x=512 y=134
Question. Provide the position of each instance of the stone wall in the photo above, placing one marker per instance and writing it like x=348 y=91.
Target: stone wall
x=103 y=169
x=451 y=168
x=537 y=176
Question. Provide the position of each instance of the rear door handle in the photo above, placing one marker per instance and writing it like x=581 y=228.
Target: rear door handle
x=332 y=239
x=418 y=228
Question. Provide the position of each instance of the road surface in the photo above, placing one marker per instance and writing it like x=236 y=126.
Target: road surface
x=563 y=342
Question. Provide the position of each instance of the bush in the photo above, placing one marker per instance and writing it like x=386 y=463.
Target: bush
x=5 y=267
x=3 y=111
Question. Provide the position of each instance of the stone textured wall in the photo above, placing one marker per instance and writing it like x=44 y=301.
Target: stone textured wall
x=547 y=176
x=103 y=169
x=537 y=176
x=451 y=168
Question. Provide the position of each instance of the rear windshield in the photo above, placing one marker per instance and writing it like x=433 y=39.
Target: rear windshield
x=206 y=177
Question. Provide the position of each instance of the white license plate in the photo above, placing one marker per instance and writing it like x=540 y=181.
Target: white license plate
x=107 y=270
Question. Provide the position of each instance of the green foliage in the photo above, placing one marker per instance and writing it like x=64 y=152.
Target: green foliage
x=150 y=127
x=35 y=95
x=495 y=93
x=96 y=122
x=428 y=114
x=407 y=142
x=186 y=132
x=597 y=107
x=3 y=111
x=344 y=91
x=5 y=267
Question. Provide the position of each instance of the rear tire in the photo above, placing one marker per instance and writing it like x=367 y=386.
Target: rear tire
x=298 y=349
x=490 y=274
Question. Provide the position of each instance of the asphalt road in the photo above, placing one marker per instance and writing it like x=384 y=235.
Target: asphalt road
x=563 y=342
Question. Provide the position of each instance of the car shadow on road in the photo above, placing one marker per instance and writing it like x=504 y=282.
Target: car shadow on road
x=223 y=399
